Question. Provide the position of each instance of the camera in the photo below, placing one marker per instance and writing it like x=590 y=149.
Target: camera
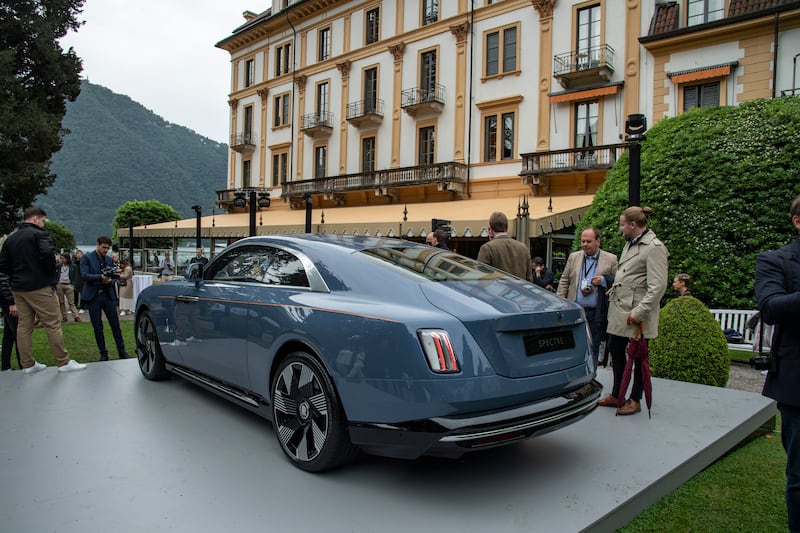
x=586 y=287
x=111 y=272
x=764 y=362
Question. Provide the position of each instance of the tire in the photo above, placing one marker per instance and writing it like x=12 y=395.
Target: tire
x=307 y=415
x=148 y=349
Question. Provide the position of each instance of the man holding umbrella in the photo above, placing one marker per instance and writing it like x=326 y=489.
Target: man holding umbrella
x=634 y=301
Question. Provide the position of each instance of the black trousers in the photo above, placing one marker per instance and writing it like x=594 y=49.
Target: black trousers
x=9 y=339
x=616 y=347
x=102 y=303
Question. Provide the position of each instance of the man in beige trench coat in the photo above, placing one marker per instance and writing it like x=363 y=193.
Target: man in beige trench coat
x=634 y=298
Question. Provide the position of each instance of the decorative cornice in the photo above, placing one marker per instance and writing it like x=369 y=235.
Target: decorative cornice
x=460 y=31
x=344 y=68
x=397 y=50
x=233 y=102
x=264 y=94
x=544 y=7
x=300 y=81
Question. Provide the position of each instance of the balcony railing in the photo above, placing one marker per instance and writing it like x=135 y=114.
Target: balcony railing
x=418 y=99
x=584 y=66
x=319 y=124
x=571 y=160
x=243 y=142
x=365 y=111
x=448 y=176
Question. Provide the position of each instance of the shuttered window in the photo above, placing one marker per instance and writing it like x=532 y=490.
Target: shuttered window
x=702 y=95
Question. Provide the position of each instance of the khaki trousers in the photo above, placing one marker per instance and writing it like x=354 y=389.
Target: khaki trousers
x=65 y=291
x=42 y=303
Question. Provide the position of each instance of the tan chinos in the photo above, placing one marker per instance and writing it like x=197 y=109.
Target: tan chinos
x=41 y=303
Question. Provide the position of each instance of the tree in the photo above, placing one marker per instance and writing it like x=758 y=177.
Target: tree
x=37 y=77
x=63 y=239
x=145 y=212
x=720 y=181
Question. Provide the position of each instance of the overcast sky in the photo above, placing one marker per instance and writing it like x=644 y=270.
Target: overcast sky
x=161 y=53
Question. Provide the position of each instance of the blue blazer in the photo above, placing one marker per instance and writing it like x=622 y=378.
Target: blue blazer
x=91 y=265
x=780 y=307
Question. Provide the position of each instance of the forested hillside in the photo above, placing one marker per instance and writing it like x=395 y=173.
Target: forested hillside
x=117 y=151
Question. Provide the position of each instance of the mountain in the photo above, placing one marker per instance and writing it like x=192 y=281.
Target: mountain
x=119 y=151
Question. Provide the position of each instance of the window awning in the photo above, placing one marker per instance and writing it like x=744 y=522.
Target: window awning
x=469 y=218
x=583 y=94
x=702 y=73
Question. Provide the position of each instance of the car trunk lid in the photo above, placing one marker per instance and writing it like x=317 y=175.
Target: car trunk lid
x=523 y=330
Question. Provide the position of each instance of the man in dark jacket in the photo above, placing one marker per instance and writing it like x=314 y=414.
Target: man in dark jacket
x=28 y=259
x=100 y=296
x=778 y=297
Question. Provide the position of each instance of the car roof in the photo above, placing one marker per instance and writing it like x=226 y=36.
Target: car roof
x=315 y=240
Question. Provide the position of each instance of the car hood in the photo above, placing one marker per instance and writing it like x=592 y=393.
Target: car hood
x=507 y=318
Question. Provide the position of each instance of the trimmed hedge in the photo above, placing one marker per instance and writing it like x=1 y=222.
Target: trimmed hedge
x=720 y=181
x=690 y=345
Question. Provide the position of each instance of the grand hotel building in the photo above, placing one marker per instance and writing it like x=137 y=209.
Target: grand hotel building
x=382 y=115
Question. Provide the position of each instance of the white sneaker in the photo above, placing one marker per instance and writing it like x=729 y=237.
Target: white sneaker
x=35 y=368
x=71 y=366
x=81 y=311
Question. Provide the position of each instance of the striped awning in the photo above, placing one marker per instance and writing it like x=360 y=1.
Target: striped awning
x=702 y=73
x=571 y=96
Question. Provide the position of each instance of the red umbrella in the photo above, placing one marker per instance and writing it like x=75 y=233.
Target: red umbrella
x=637 y=349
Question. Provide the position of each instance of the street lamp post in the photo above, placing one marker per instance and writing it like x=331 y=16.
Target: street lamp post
x=635 y=126
x=130 y=240
x=198 y=210
x=308 y=212
x=253 y=206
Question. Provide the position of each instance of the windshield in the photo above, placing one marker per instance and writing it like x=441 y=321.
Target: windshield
x=436 y=264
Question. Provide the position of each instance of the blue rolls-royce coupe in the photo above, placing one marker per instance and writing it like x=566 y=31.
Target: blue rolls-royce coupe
x=350 y=343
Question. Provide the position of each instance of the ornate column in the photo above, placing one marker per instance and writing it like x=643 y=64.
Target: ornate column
x=262 y=143
x=300 y=82
x=234 y=105
x=545 y=9
x=460 y=32
x=633 y=16
x=344 y=70
x=397 y=52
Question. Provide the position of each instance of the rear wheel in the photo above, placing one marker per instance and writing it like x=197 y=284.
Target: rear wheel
x=308 y=417
x=148 y=349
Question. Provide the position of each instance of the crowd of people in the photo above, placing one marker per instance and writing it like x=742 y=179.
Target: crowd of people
x=42 y=288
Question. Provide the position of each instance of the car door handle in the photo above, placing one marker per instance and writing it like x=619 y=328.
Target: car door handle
x=187 y=299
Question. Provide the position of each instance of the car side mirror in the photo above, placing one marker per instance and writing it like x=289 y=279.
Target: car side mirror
x=195 y=273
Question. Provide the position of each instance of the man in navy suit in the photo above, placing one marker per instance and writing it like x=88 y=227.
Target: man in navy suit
x=100 y=296
x=778 y=296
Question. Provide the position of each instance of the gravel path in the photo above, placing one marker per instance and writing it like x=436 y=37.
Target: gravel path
x=742 y=377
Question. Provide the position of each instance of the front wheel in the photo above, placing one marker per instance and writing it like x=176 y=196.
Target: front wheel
x=148 y=349
x=308 y=417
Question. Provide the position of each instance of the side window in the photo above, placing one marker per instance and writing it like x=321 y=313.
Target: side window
x=259 y=264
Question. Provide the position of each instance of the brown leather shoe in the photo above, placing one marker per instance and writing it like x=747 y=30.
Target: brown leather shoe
x=608 y=401
x=631 y=407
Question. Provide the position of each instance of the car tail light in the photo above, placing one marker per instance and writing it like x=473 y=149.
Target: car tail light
x=438 y=351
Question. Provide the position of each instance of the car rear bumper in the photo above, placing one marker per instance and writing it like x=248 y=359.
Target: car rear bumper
x=454 y=436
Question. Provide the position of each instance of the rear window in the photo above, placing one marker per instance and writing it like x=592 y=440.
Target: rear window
x=436 y=264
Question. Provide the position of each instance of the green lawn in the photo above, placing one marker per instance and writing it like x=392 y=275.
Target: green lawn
x=79 y=340
x=743 y=491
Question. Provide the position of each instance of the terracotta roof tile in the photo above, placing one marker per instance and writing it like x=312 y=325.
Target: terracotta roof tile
x=747 y=7
x=665 y=18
